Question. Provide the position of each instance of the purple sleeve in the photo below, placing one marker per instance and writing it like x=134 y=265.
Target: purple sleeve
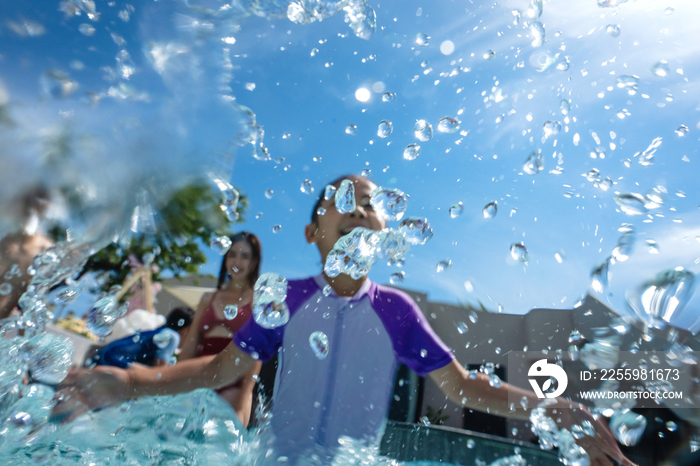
x=414 y=341
x=263 y=343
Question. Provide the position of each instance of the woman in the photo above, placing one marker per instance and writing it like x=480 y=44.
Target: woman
x=221 y=313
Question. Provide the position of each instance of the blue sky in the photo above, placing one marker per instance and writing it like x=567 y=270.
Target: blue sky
x=312 y=98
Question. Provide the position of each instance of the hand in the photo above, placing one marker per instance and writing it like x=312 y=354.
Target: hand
x=602 y=446
x=87 y=389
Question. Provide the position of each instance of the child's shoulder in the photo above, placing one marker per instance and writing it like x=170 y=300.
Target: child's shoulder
x=390 y=295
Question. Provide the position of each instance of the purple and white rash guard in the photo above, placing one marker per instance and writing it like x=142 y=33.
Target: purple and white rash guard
x=317 y=401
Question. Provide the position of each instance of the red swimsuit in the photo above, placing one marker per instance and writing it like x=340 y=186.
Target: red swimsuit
x=210 y=320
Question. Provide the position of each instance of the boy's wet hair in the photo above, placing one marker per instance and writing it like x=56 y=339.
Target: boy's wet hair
x=336 y=183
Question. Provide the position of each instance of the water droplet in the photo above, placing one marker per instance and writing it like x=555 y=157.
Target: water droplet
x=537 y=34
x=5 y=289
x=473 y=317
x=388 y=97
x=307 y=187
x=422 y=39
x=448 y=125
x=319 y=344
x=645 y=158
x=628 y=427
x=416 y=230
x=489 y=54
x=329 y=192
x=534 y=163
x=456 y=210
x=86 y=29
x=423 y=131
x=424 y=64
x=351 y=130
x=563 y=64
x=397 y=277
x=495 y=381
x=68 y=295
x=327 y=290
x=444 y=265
x=230 y=311
x=385 y=128
x=220 y=244
x=389 y=203
x=669 y=11
x=518 y=251
x=671 y=426
x=682 y=130
x=345 y=197
x=320 y=211
x=551 y=128
x=660 y=69
x=490 y=209
x=49 y=357
x=470 y=444
x=276 y=228
x=411 y=152
x=423 y=353
x=565 y=107
x=271 y=314
x=599 y=276
x=575 y=337
x=269 y=193
x=462 y=328
x=662 y=298
x=631 y=204
x=613 y=30
x=102 y=316
x=534 y=10
x=161 y=339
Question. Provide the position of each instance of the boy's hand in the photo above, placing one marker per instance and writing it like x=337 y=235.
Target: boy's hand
x=87 y=389
x=600 y=448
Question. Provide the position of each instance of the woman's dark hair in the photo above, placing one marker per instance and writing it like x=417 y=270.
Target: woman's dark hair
x=321 y=197
x=254 y=244
x=179 y=318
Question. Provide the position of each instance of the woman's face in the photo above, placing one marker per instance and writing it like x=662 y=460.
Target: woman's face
x=239 y=260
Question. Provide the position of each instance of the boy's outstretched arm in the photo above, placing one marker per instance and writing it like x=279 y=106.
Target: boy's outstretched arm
x=86 y=389
x=478 y=394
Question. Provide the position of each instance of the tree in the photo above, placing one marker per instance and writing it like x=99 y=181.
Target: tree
x=191 y=217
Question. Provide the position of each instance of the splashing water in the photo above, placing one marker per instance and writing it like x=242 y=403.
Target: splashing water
x=385 y=129
x=423 y=130
x=628 y=427
x=345 y=197
x=534 y=163
x=221 y=244
x=416 y=230
x=519 y=252
x=411 y=152
x=103 y=315
x=662 y=299
x=490 y=210
x=448 y=125
x=389 y=203
x=230 y=311
x=319 y=344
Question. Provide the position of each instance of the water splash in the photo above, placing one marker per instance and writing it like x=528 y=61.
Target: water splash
x=662 y=299
x=319 y=344
x=416 y=230
x=345 y=197
x=423 y=131
x=389 y=203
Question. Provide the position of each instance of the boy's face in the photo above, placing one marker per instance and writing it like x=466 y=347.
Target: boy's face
x=333 y=225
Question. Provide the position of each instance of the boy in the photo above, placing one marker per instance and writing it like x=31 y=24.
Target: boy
x=316 y=401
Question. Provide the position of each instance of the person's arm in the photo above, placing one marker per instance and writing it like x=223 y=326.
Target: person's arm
x=85 y=389
x=243 y=404
x=193 y=339
x=478 y=394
